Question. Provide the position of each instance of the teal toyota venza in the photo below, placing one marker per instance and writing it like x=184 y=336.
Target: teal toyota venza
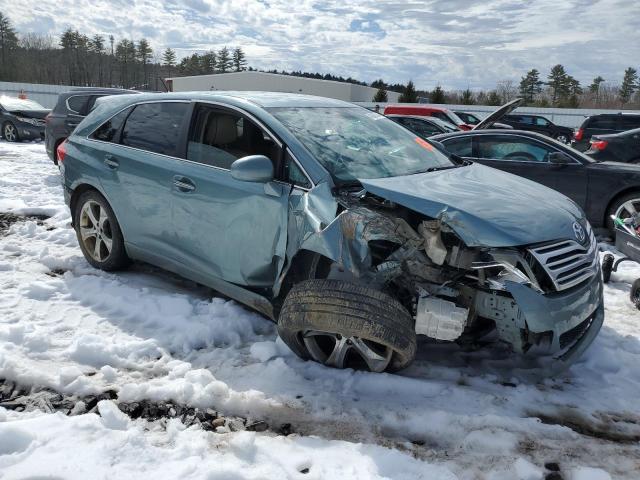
x=335 y=222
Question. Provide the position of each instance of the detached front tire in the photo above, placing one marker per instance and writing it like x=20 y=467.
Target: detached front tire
x=346 y=325
x=99 y=233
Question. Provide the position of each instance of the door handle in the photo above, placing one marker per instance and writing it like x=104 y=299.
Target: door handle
x=183 y=184
x=111 y=162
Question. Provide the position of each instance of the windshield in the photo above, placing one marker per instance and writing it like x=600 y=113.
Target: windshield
x=13 y=104
x=353 y=143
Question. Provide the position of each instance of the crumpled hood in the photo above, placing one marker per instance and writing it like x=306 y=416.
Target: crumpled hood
x=484 y=206
x=31 y=113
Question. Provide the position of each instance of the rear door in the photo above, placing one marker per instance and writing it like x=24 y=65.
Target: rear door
x=529 y=158
x=138 y=168
x=227 y=228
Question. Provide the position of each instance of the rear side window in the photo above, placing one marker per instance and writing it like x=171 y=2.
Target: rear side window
x=155 y=127
x=108 y=131
x=604 y=123
x=629 y=122
x=460 y=146
x=92 y=103
x=76 y=103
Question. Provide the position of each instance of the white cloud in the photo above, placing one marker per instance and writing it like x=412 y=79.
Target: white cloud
x=436 y=41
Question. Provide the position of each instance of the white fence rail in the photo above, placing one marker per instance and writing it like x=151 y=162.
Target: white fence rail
x=47 y=95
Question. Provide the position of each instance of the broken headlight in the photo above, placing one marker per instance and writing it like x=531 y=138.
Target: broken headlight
x=505 y=267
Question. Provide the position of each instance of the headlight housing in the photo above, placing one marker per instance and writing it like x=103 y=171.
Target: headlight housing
x=30 y=121
x=505 y=267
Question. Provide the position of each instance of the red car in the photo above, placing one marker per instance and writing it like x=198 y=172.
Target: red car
x=424 y=111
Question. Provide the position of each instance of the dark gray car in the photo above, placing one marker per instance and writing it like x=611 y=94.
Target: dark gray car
x=71 y=108
x=21 y=119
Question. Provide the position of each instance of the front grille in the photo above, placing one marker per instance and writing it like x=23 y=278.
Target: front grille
x=568 y=263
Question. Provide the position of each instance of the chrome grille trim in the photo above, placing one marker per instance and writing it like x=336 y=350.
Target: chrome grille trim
x=567 y=262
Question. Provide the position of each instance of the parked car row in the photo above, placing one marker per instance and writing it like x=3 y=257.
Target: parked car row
x=348 y=230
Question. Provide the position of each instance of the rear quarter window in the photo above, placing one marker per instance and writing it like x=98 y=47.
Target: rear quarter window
x=602 y=123
x=77 y=103
x=108 y=131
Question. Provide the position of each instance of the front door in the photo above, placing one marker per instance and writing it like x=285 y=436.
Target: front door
x=227 y=228
x=529 y=158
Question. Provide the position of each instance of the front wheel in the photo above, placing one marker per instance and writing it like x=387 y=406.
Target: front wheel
x=345 y=325
x=10 y=132
x=99 y=233
x=635 y=293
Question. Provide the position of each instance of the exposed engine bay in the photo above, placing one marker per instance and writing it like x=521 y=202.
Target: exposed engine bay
x=454 y=292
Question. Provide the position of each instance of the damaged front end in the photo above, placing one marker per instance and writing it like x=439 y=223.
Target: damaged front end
x=547 y=296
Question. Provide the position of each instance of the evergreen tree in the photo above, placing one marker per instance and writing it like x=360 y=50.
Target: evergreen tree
x=169 y=58
x=530 y=85
x=493 y=99
x=409 y=94
x=239 y=60
x=378 y=84
x=467 y=97
x=126 y=55
x=8 y=44
x=380 y=96
x=438 y=96
x=224 y=63
x=558 y=82
x=629 y=85
x=208 y=62
x=143 y=53
x=595 y=85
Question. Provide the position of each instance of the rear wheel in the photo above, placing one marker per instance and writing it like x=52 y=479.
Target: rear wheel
x=10 y=132
x=99 y=233
x=345 y=325
x=562 y=137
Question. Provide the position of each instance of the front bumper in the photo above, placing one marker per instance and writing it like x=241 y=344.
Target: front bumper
x=564 y=324
x=29 y=132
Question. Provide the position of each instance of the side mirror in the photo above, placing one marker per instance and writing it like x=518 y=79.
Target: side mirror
x=560 y=158
x=252 y=168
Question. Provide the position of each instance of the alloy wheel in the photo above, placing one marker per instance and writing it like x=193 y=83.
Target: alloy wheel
x=339 y=351
x=10 y=133
x=95 y=231
x=562 y=138
x=629 y=208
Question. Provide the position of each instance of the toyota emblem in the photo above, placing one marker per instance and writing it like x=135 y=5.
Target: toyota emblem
x=579 y=232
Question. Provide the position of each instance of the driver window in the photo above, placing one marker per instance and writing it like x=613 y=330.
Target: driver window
x=511 y=149
x=219 y=137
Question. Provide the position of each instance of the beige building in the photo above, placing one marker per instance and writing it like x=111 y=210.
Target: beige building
x=272 y=82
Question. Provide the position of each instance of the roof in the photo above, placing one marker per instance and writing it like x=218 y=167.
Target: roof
x=487 y=131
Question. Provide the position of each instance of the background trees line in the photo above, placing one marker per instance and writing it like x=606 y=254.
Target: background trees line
x=77 y=59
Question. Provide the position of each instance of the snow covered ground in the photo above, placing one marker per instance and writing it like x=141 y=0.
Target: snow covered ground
x=148 y=335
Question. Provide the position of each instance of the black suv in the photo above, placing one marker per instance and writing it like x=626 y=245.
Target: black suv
x=70 y=110
x=536 y=123
x=604 y=124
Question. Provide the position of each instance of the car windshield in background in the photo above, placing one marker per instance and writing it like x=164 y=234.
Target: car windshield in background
x=353 y=143
x=17 y=104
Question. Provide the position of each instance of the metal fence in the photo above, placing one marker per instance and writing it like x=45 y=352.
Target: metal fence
x=45 y=95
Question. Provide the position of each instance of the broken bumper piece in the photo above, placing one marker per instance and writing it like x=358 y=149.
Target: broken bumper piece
x=564 y=323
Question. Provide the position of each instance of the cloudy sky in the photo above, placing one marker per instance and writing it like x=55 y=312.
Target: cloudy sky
x=454 y=43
